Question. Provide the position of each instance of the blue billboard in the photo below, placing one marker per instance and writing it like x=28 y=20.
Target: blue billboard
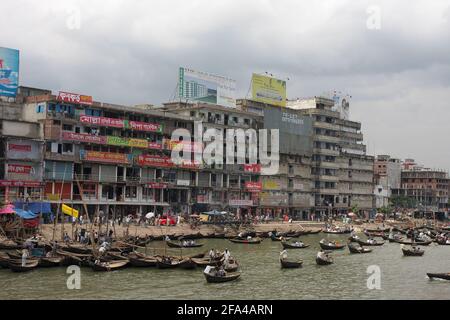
x=9 y=72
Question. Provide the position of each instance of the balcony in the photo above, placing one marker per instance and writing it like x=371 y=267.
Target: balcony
x=86 y=177
x=327 y=178
x=326 y=125
x=326 y=164
x=326 y=190
x=324 y=138
x=327 y=152
x=133 y=179
x=60 y=157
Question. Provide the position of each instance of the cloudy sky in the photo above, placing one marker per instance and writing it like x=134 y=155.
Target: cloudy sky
x=392 y=57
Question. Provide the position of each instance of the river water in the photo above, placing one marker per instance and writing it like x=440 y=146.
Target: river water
x=262 y=278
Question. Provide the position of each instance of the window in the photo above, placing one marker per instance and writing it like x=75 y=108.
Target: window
x=67 y=147
x=131 y=192
x=247 y=121
x=67 y=127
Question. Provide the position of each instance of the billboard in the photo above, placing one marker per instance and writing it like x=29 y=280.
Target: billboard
x=269 y=90
x=9 y=72
x=295 y=130
x=24 y=171
x=74 y=98
x=107 y=157
x=205 y=87
x=23 y=150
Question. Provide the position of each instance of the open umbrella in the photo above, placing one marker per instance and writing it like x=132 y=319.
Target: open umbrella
x=150 y=215
x=351 y=214
x=8 y=209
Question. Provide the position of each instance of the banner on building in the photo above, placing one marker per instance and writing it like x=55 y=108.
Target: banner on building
x=240 y=203
x=13 y=183
x=24 y=171
x=158 y=185
x=74 y=98
x=23 y=150
x=144 y=126
x=83 y=137
x=253 y=168
x=107 y=157
x=9 y=72
x=269 y=90
x=154 y=161
x=271 y=185
x=205 y=87
x=101 y=121
x=253 y=186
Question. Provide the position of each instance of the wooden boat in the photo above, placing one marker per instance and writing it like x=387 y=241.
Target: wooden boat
x=110 y=265
x=314 y=231
x=73 y=258
x=202 y=262
x=290 y=264
x=358 y=249
x=442 y=242
x=30 y=264
x=333 y=246
x=444 y=276
x=375 y=243
x=247 y=241
x=167 y=264
x=411 y=243
x=323 y=262
x=47 y=262
x=374 y=234
x=211 y=277
x=232 y=266
x=354 y=238
x=287 y=245
x=187 y=264
x=142 y=261
x=173 y=244
x=377 y=230
x=75 y=248
x=413 y=253
x=280 y=238
x=333 y=231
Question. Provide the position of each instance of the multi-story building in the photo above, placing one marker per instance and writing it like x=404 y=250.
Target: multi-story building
x=289 y=191
x=342 y=172
x=427 y=188
x=387 y=175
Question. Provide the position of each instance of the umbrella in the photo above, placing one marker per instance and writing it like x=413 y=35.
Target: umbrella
x=351 y=214
x=150 y=215
x=8 y=209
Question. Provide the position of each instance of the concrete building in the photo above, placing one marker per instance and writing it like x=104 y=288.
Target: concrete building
x=387 y=177
x=342 y=172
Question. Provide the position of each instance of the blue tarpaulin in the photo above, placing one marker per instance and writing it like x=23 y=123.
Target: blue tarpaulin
x=25 y=214
x=35 y=207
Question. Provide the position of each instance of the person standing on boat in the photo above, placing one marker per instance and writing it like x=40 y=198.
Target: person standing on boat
x=24 y=257
x=321 y=255
x=283 y=254
x=212 y=254
x=226 y=255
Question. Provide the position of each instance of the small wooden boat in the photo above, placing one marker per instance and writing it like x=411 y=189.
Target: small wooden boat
x=420 y=243
x=287 y=245
x=9 y=245
x=316 y=231
x=281 y=238
x=162 y=263
x=110 y=265
x=413 y=252
x=76 y=248
x=444 y=276
x=247 y=241
x=358 y=249
x=173 y=244
x=187 y=264
x=368 y=243
x=203 y=262
x=142 y=261
x=443 y=242
x=334 y=231
x=323 y=262
x=16 y=266
x=354 y=238
x=212 y=276
x=290 y=264
x=330 y=245
x=232 y=265
x=47 y=262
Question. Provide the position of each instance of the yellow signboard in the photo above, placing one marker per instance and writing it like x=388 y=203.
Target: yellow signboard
x=269 y=90
x=69 y=211
x=271 y=185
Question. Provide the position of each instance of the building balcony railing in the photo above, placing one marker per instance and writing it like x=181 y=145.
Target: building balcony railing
x=321 y=137
x=86 y=177
x=328 y=152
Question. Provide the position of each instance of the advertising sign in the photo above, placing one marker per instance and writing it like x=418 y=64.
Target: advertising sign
x=19 y=168
x=253 y=186
x=24 y=171
x=240 y=203
x=23 y=149
x=269 y=90
x=205 y=87
x=144 y=126
x=9 y=72
x=253 y=168
x=9 y=183
x=74 y=98
x=101 y=121
x=107 y=157
x=125 y=142
x=271 y=185
x=83 y=137
x=121 y=123
x=157 y=185
x=154 y=160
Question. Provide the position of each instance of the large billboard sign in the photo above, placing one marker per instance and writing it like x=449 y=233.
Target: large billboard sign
x=23 y=150
x=205 y=87
x=268 y=90
x=9 y=72
x=74 y=98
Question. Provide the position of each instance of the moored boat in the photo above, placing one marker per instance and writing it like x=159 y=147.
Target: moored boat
x=330 y=245
x=444 y=276
x=47 y=262
x=287 y=245
x=17 y=266
x=167 y=263
x=247 y=241
x=370 y=242
x=358 y=249
x=285 y=263
x=110 y=265
x=181 y=244
x=187 y=264
x=324 y=261
x=413 y=252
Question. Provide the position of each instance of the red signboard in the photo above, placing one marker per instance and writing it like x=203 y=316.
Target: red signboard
x=10 y=183
x=144 y=126
x=19 y=147
x=254 y=168
x=74 y=98
x=83 y=137
x=253 y=186
x=101 y=121
x=154 y=145
x=154 y=160
x=19 y=169
x=108 y=157
x=157 y=185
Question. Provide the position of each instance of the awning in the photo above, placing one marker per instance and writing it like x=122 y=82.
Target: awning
x=8 y=209
x=35 y=207
x=25 y=214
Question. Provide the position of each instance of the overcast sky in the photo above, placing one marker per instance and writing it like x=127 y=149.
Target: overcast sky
x=395 y=64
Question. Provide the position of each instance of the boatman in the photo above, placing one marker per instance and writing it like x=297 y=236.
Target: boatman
x=283 y=254
x=322 y=255
x=226 y=255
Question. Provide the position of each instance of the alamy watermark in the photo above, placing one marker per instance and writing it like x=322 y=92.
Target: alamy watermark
x=228 y=146
x=373 y=21
x=74 y=280
x=374 y=280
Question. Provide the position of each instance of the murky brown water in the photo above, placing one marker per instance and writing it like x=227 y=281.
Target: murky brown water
x=262 y=278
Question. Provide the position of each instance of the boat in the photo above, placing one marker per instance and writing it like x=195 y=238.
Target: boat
x=416 y=252
x=164 y=263
x=173 y=244
x=290 y=264
x=202 y=262
x=330 y=245
x=354 y=238
x=76 y=248
x=142 y=261
x=444 y=276
x=212 y=277
x=280 y=238
x=323 y=262
x=367 y=243
x=247 y=241
x=9 y=245
x=47 y=262
x=110 y=265
x=16 y=266
x=232 y=265
x=187 y=264
x=358 y=249
x=287 y=245
x=316 y=231
x=374 y=234
x=334 y=231
x=411 y=243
